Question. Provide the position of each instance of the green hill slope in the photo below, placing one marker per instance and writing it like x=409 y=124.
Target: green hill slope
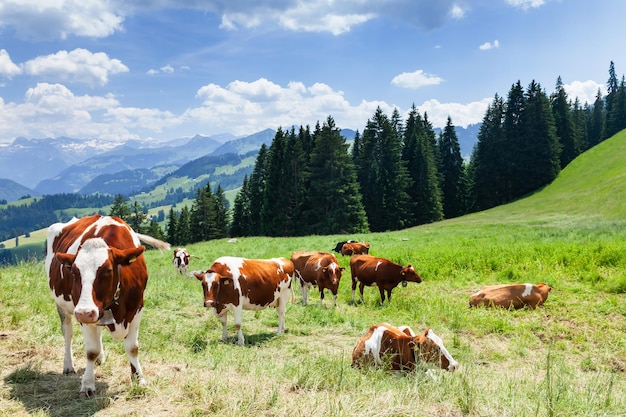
x=591 y=186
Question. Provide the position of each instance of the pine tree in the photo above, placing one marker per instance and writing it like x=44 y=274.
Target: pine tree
x=419 y=157
x=617 y=116
x=453 y=172
x=274 y=216
x=564 y=123
x=155 y=230
x=595 y=129
x=487 y=167
x=120 y=208
x=611 y=123
x=539 y=161
x=202 y=216
x=383 y=175
x=511 y=167
x=334 y=199
x=579 y=118
x=240 y=225
x=183 y=233
x=220 y=227
x=137 y=218
x=172 y=228
x=256 y=190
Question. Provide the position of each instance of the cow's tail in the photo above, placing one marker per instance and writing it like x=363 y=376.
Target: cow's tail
x=154 y=242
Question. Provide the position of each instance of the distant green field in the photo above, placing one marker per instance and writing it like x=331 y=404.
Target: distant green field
x=567 y=358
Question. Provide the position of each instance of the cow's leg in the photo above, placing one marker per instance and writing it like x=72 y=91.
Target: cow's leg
x=335 y=299
x=304 y=287
x=321 y=295
x=238 y=313
x=353 y=289
x=361 y=286
x=67 y=330
x=281 y=308
x=93 y=348
x=382 y=295
x=224 y=318
x=131 y=344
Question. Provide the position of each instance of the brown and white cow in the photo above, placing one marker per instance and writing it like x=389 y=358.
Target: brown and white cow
x=355 y=248
x=339 y=245
x=369 y=270
x=239 y=284
x=401 y=349
x=511 y=296
x=317 y=268
x=181 y=260
x=97 y=273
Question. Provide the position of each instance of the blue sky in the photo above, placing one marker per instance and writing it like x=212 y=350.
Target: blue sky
x=166 y=69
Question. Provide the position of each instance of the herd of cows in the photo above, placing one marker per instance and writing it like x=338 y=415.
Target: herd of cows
x=97 y=273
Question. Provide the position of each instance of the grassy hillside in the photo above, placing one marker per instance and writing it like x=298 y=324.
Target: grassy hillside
x=565 y=359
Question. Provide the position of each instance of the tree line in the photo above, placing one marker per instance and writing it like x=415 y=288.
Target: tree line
x=399 y=173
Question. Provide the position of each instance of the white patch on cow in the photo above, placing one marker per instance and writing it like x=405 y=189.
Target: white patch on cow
x=93 y=254
x=319 y=264
x=373 y=344
x=528 y=288
x=403 y=328
x=334 y=267
x=379 y=263
x=439 y=342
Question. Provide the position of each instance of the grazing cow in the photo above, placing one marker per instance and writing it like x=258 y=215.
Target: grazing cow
x=511 y=295
x=339 y=245
x=369 y=270
x=97 y=273
x=400 y=349
x=239 y=284
x=317 y=268
x=355 y=248
x=181 y=260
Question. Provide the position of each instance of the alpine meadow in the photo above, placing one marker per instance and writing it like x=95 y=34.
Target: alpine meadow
x=567 y=358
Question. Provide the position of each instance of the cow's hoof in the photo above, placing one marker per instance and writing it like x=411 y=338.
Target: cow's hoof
x=88 y=393
x=70 y=371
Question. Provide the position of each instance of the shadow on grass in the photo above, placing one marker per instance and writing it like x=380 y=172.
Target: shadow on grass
x=54 y=394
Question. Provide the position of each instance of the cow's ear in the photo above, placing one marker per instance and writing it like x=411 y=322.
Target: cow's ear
x=225 y=281
x=127 y=256
x=342 y=268
x=199 y=275
x=66 y=259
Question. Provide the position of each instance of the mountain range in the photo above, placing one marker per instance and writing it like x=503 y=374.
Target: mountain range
x=68 y=165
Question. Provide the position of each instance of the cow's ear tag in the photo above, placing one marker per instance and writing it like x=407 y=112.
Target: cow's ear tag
x=226 y=282
x=133 y=259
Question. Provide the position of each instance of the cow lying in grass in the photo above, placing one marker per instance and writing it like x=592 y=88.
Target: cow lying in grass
x=400 y=349
x=511 y=296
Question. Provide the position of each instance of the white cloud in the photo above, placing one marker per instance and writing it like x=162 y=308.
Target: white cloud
x=457 y=12
x=47 y=20
x=7 y=67
x=461 y=114
x=526 y=4
x=79 y=65
x=488 y=45
x=586 y=91
x=416 y=79
x=168 y=69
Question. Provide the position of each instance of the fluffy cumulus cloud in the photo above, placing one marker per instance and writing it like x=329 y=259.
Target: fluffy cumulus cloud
x=79 y=65
x=7 y=68
x=461 y=114
x=416 y=79
x=586 y=91
x=34 y=19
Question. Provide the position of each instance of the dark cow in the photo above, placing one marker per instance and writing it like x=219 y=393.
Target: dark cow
x=239 y=284
x=401 y=349
x=181 y=260
x=339 y=245
x=355 y=248
x=97 y=273
x=369 y=270
x=511 y=296
x=317 y=268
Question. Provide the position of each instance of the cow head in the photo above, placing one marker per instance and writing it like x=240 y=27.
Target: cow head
x=429 y=348
x=409 y=274
x=332 y=275
x=218 y=290
x=96 y=270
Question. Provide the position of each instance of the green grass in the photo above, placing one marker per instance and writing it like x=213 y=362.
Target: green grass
x=565 y=359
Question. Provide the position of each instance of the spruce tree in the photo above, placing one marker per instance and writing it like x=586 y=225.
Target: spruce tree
x=564 y=123
x=611 y=123
x=334 y=199
x=511 y=166
x=137 y=218
x=220 y=226
x=258 y=178
x=120 y=208
x=275 y=212
x=172 y=228
x=240 y=225
x=183 y=233
x=595 y=129
x=453 y=172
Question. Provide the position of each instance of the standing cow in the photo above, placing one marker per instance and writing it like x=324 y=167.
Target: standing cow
x=317 y=268
x=370 y=270
x=511 y=296
x=401 y=349
x=181 y=260
x=97 y=273
x=239 y=284
x=355 y=248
